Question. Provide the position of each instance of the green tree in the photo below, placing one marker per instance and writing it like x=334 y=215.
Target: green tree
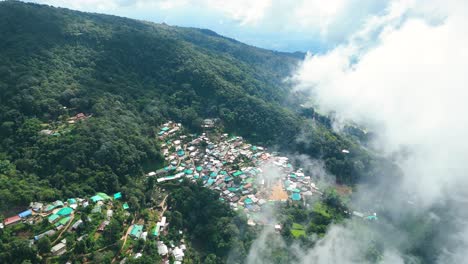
x=44 y=245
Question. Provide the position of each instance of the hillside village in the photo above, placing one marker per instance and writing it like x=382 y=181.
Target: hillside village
x=247 y=177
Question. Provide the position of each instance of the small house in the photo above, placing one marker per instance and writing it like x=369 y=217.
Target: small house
x=12 y=220
x=59 y=249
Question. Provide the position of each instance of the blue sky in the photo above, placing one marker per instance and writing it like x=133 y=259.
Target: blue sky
x=299 y=25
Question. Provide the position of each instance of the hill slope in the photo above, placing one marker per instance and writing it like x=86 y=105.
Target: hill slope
x=131 y=76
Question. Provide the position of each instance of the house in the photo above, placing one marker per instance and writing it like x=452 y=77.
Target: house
x=162 y=249
x=144 y=235
x=76 y=224
x=136 y=231
x=62 y=222
x=47 y=233
x=12 y=220
x=178 y=254
x=25 y=214
x=36 y=207
x=66 y=211
x=60 y=248
x=296 y=196
x=46 y=132
x=100 y=197
x=53 y=218
x=208 y=123
x=359 y=214
x=117 y=195
x=109 y=214
x=103 y=225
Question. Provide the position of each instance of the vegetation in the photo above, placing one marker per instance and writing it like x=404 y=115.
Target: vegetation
x=216 y=231
x=131 y=76
x=127 y=77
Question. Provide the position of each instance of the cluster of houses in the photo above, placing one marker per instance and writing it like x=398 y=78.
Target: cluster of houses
x=71 y=120
x=60 y=214
x=176 y=251
x=239 y=171
x=78 y=117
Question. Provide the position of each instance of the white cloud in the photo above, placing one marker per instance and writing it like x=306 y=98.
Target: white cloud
x=330 y=21
x=405 y=73
x=413 y=82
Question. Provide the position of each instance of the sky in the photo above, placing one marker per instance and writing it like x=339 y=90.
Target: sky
x=284 y=25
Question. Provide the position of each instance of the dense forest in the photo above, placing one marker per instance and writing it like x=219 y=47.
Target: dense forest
x=130 y=76
x=81 y=96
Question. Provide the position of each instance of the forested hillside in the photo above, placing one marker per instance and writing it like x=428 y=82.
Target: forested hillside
x=128 y=76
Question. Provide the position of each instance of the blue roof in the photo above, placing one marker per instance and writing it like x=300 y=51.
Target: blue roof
x=25 y=213
x=296 y=196
x=210 y=182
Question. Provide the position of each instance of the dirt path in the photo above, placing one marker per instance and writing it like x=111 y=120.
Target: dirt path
x=124 y=238
x=163 y=206
x=65 y=228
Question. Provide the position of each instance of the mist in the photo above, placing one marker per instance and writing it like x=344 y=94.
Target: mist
x=402 y=76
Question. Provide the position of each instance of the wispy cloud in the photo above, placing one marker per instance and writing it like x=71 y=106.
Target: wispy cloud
x=311 y=24
x=404 y=74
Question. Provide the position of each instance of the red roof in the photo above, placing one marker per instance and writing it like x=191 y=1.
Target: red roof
x=12 y=220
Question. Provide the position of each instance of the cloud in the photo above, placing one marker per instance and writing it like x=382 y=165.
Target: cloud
x=313 y=23
x=404 y=75
x=412 y=82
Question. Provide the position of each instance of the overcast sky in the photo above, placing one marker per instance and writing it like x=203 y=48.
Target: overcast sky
x=299 y=25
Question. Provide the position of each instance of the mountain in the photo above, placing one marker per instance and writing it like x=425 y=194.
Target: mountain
x=83 y=97
x=131 y=76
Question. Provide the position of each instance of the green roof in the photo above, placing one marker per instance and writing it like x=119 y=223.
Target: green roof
x=155 y=231
x=117 y=195
x=214 y=174
x=210 y=182
x=164 y=129
x=53 y=217
x=50 y=207
x=136 y=230
x=96 y=198
x=72 y=201
x=254 y=148
x=100 y=197
x=65 y=211
x=125 y=206
x=188 y=172
x=237 y=173
x=161 y=133
x=199 y=168
x=223 y=172
x=248 y=201
x=63 y=221
x=103 y=195
x=296 y=190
